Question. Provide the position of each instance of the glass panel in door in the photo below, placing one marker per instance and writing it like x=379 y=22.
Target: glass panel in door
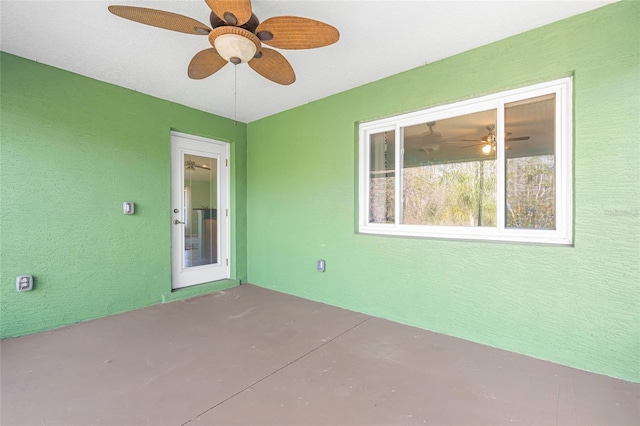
x=201 y=211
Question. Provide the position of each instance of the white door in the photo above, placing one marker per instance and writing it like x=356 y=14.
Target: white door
x=199 y=210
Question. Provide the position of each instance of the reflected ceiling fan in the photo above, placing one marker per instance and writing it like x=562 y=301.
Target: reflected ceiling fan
x=488 y=142
x=236 y=36
x=192 y=165
x=431 y=140
x=427 y=142
x=431 y=136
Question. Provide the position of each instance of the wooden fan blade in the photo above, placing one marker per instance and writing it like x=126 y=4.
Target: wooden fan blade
x=205 y=63
x=234 y=12
x=292 y=32
x=161 y=19
x=521 y=138
x=273 y=66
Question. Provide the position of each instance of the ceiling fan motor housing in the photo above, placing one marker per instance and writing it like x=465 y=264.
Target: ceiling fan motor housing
x=234 y=44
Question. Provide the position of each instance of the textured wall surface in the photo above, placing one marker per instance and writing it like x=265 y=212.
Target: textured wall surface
x=72 y=150
x=578 y=305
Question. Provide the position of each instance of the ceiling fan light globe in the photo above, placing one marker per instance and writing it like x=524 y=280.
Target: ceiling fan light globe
x=235 y=46
x=486 y=149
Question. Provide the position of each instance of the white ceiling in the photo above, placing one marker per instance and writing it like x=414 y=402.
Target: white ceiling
x=377 y=39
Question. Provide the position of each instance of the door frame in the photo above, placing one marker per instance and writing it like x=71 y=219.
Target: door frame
x=198 y=146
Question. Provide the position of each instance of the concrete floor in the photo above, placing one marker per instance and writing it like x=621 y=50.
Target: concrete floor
x=250 y=356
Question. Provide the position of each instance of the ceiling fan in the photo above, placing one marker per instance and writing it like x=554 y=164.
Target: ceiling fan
x=489 y=141
x=237 y=36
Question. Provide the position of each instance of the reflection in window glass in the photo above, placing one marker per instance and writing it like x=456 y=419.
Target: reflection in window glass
x=201 y=230
x=382 y=177
x=530 y=164
x=450 y=180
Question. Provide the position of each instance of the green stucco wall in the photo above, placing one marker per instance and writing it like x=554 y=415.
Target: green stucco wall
x=578 y=305
x=72 y=150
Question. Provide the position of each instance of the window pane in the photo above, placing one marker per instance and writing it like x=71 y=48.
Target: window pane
x=530 y=163
x=449 y=172
x=382 y=177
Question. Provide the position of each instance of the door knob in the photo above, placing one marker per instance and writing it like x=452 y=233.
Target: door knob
x=177 y=222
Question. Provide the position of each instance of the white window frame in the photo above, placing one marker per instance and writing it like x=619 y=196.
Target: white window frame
x=563 y=234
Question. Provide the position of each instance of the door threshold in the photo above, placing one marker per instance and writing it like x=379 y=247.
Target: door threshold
x=199 y=289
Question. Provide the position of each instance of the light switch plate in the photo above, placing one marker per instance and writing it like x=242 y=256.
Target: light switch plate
x=24 y=283
x=128 y=207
